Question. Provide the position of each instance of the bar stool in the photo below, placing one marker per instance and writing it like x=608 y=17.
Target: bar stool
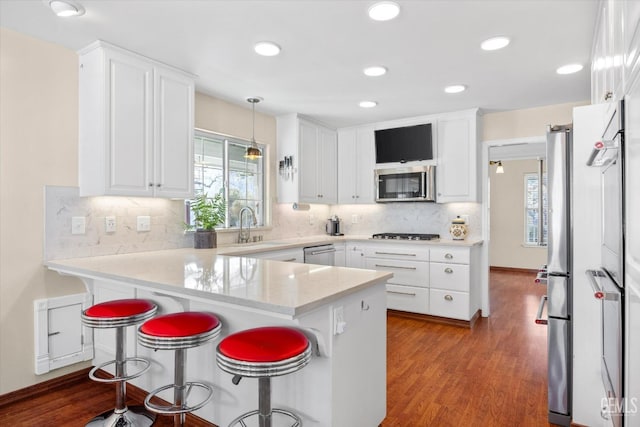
x=179 y=331
x=119 y=314
x=264 y=353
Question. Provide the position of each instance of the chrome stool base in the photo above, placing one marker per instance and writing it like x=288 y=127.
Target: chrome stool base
x=146 y=364
x=182 y=408
x=135 y=416
x=240 y=420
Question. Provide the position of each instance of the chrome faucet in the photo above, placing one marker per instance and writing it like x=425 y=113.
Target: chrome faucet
x=244 y=235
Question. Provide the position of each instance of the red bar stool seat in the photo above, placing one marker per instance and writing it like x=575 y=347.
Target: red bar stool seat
x=264 y=353
x=179 y=331
x=120 y=314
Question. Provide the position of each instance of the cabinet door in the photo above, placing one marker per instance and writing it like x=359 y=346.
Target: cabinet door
x=631 y=37
x=632 y=182
x=327 y=177
x=456 y=179
x=347 y=165
x=174 y=135
x=354 y=257
x=129 y=125
x=309 y=163
x=365 y=163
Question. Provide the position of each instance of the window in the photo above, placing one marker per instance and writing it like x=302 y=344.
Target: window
x=220 y=166
x=533 y=221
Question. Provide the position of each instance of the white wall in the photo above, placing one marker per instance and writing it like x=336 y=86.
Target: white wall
x=507 y=218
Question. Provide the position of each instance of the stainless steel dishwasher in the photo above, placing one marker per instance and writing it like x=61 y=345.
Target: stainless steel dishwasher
x=322 y=255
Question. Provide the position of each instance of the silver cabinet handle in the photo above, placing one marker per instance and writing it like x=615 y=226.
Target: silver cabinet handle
x=326 y=251
x=158 y=185
x=539 y=319
x=289 y=260
x=448 y=256
x=411 y=294
x=395 y=266
x=364 y=306
x=448 y=298
x=151 y=184
x=448 y=270
x=394 y=253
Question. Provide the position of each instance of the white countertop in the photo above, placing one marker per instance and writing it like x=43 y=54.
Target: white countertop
x=279 y=287
x=228 y=274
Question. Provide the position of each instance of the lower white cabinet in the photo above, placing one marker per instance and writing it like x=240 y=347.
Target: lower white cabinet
x=428 y=279
x=340 y=256
x=354 y=255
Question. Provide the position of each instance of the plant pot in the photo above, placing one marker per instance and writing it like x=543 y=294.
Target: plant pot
x=205 y=239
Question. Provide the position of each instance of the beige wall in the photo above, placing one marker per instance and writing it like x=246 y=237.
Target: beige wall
x=38 y=146
x=507 y=218
x=527 y=122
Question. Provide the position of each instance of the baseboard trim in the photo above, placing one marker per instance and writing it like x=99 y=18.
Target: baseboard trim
x=513 y=269
x=43 y=387
x=64 y=381
x=436 y=319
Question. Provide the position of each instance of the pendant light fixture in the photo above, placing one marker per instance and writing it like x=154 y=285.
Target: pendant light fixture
x=499 y=168
x=253 y=152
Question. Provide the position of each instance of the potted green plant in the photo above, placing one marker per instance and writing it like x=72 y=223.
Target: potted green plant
x=207 y=214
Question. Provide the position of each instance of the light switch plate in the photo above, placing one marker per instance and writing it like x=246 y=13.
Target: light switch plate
x=144 y=223
x=110 y=224
x=78 y=225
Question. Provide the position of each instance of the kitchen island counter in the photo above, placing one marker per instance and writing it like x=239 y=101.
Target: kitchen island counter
x=341 y=310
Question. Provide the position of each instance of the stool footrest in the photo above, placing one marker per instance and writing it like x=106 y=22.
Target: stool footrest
x=178 y=409
x=146 y=365
x=240 y=420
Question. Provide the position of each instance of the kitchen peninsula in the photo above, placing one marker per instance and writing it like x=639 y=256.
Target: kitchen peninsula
x=343 y=310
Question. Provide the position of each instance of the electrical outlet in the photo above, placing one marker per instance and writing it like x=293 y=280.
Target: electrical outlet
x=466 y=218
x=78 y=225
x=110 y=224
x=312 y=219
x=144 y=223
x=339 y=325
x=355 y=218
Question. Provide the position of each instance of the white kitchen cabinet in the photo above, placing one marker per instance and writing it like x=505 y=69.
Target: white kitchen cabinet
x=458 y=157
x=408 y=289
x=286 y=255
x=454 y=282
x=136 y=125
x=354 y=255
x=631 y=37
x=340 y=256
x=314 y=152
x=356 y=162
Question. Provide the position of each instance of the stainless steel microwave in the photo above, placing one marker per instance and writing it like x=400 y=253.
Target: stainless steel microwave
x=410 y=184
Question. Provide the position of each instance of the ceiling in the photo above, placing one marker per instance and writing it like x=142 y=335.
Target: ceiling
x=326 y=44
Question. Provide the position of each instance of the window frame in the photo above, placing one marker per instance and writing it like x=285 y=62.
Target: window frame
x=227 y=140
x=541 y=223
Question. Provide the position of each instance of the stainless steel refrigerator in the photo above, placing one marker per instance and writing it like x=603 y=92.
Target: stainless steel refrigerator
x=559 y=281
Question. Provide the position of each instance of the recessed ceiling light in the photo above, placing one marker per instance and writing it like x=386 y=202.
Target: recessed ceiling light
x=495 y=43
x=375 y=71
x=384 y=11
x=569 y=69
x=455 y=88
x=368 y=104
x=266 y=48
x=66 y=8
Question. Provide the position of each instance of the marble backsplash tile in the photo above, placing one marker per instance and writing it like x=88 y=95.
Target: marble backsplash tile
x=167 y=216
x=63 y=203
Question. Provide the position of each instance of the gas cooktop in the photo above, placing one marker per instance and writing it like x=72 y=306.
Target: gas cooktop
x=406 y=236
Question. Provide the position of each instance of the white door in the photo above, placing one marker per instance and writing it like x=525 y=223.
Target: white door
x=309 y=163
x=328 y=171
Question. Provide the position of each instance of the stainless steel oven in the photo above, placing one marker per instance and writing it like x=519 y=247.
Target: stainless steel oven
x=612 y=315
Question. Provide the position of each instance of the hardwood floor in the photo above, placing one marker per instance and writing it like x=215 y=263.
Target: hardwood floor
x=438 y=375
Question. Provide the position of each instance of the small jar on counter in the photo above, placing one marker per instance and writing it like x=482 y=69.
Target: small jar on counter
x=458 y=229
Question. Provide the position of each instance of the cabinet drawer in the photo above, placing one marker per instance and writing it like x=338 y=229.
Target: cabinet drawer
x=454 y=277
x=450 y=255
x=408 y=298
x=451 y=304
x=391 y=251
x=404 y=272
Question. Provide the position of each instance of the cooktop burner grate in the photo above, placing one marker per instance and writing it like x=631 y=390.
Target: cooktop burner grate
x=406 y=236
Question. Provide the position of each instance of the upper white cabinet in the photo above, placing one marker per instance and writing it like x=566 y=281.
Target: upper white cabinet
x=458 y=156
x=136 y=125
x=614 y=58
x=313 y=151
x=356 y=161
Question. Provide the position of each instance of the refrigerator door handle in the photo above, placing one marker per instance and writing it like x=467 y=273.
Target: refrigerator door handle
x=539 y=319
x=598 y=292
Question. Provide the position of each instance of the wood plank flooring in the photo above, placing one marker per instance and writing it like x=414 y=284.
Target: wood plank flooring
x=437 y=375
